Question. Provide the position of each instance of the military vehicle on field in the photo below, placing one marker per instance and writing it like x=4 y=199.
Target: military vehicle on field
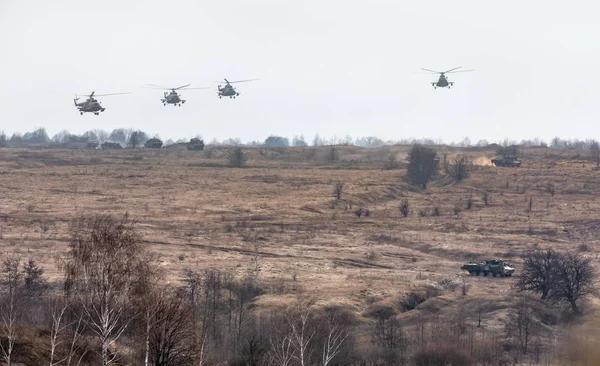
x=153 y=143
x=110 y=146
x=510 y=161
x=495 y=267
x=195 y=144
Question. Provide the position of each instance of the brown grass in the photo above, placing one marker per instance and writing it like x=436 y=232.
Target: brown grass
x=194 y=212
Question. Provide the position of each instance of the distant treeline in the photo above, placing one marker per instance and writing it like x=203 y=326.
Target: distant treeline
x=137 y=138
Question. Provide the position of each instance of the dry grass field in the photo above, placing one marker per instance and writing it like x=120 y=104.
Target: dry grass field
x=278 y=219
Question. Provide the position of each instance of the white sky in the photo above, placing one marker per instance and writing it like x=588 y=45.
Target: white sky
x=327 y=67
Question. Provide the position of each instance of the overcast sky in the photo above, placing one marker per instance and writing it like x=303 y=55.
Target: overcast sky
x=328 y=67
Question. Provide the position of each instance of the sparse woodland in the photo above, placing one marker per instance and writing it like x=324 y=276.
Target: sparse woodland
x=330 y=255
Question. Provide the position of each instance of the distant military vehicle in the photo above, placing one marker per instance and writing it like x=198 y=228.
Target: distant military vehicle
x=195 y=144
x=510 y=161
x=495 y=267
x=110 y=146
x=153 y=143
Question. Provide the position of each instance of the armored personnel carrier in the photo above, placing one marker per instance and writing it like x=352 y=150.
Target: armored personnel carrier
x=495 y=267
x=195 y=144
x=510 y=161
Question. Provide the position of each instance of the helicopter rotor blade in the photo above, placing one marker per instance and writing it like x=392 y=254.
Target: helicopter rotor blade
x=456 y=68
x=155 y=86
x=435 y=72
x=242 y=81
x=454 y=72
x=105 y=95
x=196 y=88
x=183 y=86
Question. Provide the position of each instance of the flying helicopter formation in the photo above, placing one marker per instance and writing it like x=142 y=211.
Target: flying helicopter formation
x=171 y=95
x=92 y=105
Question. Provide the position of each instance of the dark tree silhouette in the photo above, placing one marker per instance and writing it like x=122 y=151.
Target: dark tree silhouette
x=421 y=165
x=540 y=272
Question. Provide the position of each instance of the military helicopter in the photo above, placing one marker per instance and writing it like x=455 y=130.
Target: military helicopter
x=173 y=97
x=228 y=90
x=91 y=104
x=443 y=80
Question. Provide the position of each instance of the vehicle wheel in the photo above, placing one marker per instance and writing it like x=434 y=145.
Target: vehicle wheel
x=219 y=97
x=234 y=97
x=485 y=274
x=494 y=274
x=81 y=113
x=477 y=273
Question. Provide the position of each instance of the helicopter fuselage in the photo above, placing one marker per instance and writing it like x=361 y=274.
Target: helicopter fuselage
x=172 y=98
x=442 y=82
x=228 y=91
x=89 y=106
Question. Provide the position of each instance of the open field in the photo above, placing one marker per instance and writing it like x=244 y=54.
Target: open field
x=277 y=218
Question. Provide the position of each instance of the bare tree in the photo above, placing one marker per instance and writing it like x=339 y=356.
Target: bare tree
x=486 y=198
x=595 y=150
x=299 y=319
x=460 y=167
x=338 y=188
x=422 y=165
x=540 y=272
x=565 y=278
x=521 y=326
x=335 y=336
x=237 y=158
x=333 y=154
x=171 y=341
x=59 y=333
x=59 y=307
x=404 y=208
x=576 y=280
x=102 y=266
x=281 y=352
x=10 y=308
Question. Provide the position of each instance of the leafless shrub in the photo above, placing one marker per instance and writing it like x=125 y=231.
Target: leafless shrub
x=460 y=167
x=410 y=300
x=595 y=150
x=333 y=154
x=469 y=202
x=237 y=158
x=435 y=211
x=550 y=188
x=457 y=211
x=521 y=326
x=442 y=355
x=389 y=335
x=422 y=213
x=404 y=208
x=421 y=165
x=359 y=212
x=465 y=286
x=30 y=208
x=371 y=255
x=530 y=205
x=392 y=162
x=486 y=198
x=338 y=189
x=583 y=247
